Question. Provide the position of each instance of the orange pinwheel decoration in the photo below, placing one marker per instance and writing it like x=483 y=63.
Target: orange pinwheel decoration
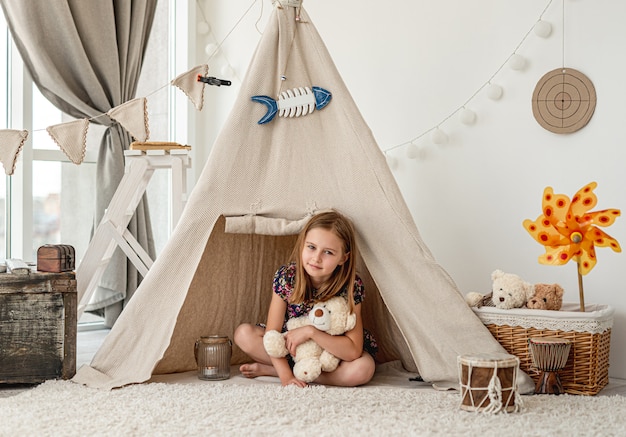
x=568 y=229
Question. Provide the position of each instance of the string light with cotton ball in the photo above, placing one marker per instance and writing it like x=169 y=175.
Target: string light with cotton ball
x=517 y=62
x=412 y=151
x=210 y=49
x=493 y=91
x=438 y=136
x=467 y=116
x=542 y=29
x=203 y=28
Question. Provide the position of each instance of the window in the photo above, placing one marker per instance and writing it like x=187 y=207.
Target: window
x=49 y=199
x=4 y=124
x=62 y=192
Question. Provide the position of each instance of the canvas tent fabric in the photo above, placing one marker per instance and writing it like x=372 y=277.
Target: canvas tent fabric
x=260 y=184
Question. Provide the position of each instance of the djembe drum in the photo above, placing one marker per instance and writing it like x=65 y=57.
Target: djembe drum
x=488 y=382
x=549 y=355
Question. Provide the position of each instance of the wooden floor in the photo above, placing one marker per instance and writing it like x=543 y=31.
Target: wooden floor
x=89 y=341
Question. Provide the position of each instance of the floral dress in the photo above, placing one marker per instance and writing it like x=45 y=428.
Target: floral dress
x=283 y=283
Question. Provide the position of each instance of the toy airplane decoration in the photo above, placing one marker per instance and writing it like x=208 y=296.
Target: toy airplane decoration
x=294 y=102
x=213 y=81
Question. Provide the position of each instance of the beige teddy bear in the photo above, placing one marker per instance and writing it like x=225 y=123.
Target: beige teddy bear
x=333 y=317
x=546 y=297
x=508 y=291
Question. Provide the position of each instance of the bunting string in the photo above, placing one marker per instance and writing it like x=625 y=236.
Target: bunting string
x=71 y=137
x=133 y=115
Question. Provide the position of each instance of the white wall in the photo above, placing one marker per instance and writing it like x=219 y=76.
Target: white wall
x=410 y=64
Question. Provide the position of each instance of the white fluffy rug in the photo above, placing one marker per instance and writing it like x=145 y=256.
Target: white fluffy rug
x=262 y=408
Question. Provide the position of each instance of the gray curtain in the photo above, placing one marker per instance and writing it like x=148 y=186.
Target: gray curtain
x=86 y=56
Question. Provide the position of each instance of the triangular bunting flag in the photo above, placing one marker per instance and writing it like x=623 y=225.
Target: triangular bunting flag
x=71 y=138
x=11 y=143
x=133 y=116
x=188 y=83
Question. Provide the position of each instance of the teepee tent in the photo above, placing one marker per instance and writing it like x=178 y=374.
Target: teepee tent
x=259 y=186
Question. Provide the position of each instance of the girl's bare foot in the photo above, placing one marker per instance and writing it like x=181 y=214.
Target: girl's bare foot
x=253 y=370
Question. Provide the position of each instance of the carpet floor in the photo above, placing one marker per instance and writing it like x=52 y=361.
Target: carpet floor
x=262 y=407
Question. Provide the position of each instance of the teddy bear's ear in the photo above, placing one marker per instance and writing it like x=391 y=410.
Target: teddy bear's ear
x=558 y=290
x=350 y=321
x=496 y=274
x=531 y=289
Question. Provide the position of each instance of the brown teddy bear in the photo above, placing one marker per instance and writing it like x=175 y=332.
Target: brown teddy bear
x=546 y=297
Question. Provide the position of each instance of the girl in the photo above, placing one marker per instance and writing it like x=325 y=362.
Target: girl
x=326 y=253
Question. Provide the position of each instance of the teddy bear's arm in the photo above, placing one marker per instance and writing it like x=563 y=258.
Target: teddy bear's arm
x=274 y=344
x=329 y=361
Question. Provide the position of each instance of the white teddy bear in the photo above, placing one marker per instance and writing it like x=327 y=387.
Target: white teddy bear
x=333 y=317
x=507 y=291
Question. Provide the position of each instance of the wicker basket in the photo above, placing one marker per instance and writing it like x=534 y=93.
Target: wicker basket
x=587 y=368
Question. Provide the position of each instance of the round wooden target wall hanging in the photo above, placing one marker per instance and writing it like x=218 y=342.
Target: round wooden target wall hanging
x=564 y=100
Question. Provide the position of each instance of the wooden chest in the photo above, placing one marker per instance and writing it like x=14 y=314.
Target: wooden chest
x=38 y=326
x=56 y=258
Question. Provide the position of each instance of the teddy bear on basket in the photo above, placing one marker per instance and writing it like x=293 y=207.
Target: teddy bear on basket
x=569 y=231
x=509 y=291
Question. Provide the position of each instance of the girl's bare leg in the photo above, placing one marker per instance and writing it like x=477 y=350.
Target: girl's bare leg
x=250 y=339
x=350 y=373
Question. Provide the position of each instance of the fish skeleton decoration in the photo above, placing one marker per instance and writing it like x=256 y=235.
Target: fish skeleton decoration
x=294 y=102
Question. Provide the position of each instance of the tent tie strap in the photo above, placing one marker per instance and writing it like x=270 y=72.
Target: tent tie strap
x=287 y=3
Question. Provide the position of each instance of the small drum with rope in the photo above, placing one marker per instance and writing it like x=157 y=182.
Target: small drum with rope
x=488 y=383
x=549 y=354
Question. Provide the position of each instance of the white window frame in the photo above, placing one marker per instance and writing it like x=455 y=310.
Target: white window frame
x=19 y=223
x=19 y=186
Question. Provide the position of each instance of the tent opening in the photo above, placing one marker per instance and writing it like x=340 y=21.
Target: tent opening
x=233 y=284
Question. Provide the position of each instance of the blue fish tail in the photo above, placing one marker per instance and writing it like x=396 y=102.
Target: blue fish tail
x=272 y=108
x=322 y=97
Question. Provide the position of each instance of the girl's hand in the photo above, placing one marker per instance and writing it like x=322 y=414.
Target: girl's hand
x=297 y=337
x=293 y=381
x=285 y=373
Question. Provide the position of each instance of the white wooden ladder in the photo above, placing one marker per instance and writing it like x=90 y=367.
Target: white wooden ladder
x=112 y=230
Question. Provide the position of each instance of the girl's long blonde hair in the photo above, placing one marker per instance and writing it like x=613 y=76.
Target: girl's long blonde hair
x=344 y=275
